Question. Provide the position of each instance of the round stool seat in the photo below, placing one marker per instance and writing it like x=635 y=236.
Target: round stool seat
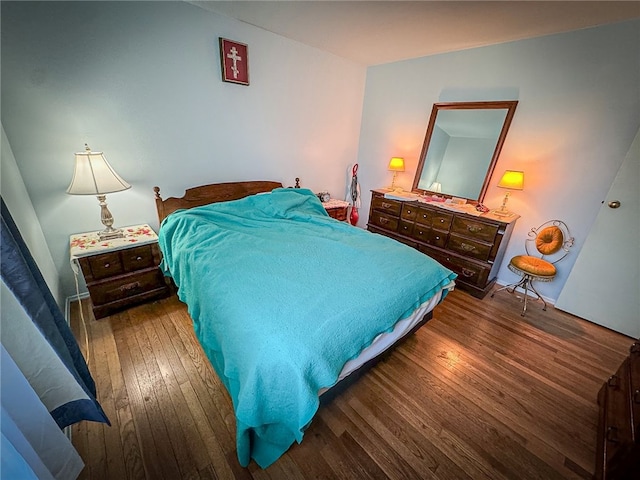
x=525 y=264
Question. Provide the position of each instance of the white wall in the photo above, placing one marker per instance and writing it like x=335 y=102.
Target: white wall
x=578 y=111
x=140 y=81
x=14 y=194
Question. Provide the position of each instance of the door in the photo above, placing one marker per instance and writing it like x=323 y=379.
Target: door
x=604 y=284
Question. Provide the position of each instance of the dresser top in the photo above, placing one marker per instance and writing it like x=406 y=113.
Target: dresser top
x=464 y=209
x=89 y=243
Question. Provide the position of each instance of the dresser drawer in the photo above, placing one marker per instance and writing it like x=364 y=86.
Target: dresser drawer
x=137 y=258
x=441 y=220
x=104 y=265
x=385 y=221
x=424 y=216
x=406 y=228
x=126 y=286
x=478 y=230
x=391 y=207
x=472 y=273
x=430 y=235
x=409 y=212
x=468 y=247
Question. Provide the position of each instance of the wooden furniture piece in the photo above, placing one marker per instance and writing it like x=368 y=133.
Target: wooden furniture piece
x=206 y=194
x=618 y=441
x=336 y=209
x=121 y=272
x=472 y=246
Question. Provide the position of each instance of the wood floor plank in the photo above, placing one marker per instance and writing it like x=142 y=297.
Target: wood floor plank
x=151 y=459
x=479 y=392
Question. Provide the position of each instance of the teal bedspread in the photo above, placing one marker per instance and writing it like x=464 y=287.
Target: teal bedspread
x=281 y=296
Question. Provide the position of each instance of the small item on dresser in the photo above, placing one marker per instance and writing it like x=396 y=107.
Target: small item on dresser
x=481 y=208
x=324 y=196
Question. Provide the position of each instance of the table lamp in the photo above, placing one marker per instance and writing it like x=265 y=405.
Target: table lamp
x=94 y=176
x=436 y=187
x=512 y=180
x=396 y=164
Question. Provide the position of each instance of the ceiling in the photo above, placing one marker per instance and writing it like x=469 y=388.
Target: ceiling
x=376 y=32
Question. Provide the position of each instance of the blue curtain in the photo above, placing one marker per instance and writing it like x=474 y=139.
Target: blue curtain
x=22 y=277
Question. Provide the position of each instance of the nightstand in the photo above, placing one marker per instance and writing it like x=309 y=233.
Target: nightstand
x=120 y=272
x=336 y=209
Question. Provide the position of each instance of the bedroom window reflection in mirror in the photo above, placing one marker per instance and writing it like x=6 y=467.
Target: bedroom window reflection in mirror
x=461 y=147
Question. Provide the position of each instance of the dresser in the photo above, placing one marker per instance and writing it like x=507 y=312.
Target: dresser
x=618 y=440
x=472 y=246
x=119 y=272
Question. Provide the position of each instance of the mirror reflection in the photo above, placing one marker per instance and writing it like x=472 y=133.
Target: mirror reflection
x=461 y=148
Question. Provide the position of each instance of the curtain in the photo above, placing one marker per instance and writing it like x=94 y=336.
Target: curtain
x=39 y=342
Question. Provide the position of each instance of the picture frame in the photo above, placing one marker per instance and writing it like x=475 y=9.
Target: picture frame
x=234 y=60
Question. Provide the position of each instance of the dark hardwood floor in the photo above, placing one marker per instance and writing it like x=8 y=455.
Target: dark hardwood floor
x=477 y=393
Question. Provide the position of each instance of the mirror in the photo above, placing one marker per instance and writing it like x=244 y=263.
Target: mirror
x=461 y=148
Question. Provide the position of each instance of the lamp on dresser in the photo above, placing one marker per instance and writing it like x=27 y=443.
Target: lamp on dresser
x=396 y=164
x=94 y=176
x=511 y=180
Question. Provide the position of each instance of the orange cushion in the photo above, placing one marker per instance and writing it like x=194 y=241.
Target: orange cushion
x=533 y=266
x=549 y=240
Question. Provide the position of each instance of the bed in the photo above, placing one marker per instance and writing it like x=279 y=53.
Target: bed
x=288 y=304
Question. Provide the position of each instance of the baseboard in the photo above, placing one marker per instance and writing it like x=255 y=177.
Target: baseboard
x=67 y=304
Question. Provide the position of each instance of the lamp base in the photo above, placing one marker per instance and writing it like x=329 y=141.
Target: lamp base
x=110 y=233
x=502 y=213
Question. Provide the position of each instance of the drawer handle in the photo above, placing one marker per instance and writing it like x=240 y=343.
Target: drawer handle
x=474 y=228
x=107 y=265
x=437 y=237
x=612 y=434
x=467 y=247
x=420 y=233
x=635 y=348
x=424 y=215
x=130 y=286
x=614 y=381
x=442 y=220
x=384 y=220
x=386 y=205
x=409 y=211
x=636 y=396
x=404 y=227
x=467 y=273
x=138 y=258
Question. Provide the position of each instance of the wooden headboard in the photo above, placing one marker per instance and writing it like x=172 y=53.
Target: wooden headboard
x=206 y=194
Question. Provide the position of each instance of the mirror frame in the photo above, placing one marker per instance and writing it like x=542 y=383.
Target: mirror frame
x=509 y=105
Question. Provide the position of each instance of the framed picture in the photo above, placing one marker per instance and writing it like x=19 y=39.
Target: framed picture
x=234 y=58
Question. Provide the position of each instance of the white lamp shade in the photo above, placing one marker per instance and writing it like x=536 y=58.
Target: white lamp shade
x=94 y=176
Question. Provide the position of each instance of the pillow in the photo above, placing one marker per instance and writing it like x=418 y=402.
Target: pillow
x=549 y=240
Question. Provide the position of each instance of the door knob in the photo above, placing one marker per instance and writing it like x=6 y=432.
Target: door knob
x=614 y=204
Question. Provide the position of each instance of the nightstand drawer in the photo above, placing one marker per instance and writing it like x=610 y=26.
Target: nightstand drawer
x=126 y=286
x=105 y=265
x=339 y=213
x=137 y=258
